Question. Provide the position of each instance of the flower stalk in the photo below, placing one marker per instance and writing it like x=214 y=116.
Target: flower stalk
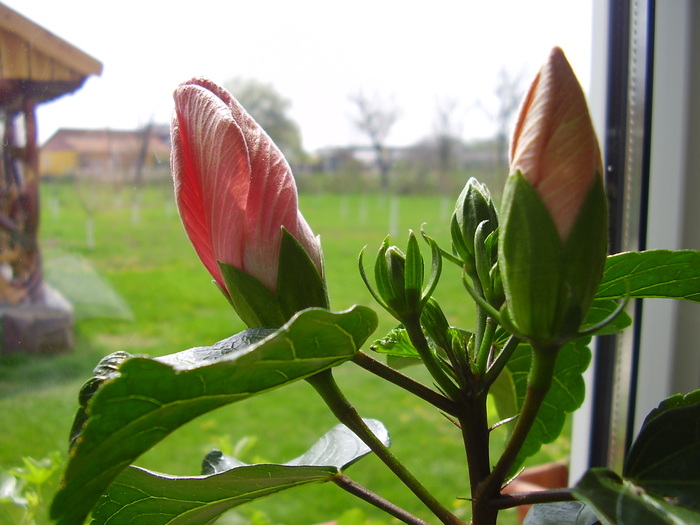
x=327 y=388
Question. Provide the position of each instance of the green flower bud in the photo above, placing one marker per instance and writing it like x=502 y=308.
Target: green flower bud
x=474 y=207
x=399 y=278
x=436 y=325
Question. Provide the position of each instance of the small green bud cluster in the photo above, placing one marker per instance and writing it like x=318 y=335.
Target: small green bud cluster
x=474 y=231
x=399 y=278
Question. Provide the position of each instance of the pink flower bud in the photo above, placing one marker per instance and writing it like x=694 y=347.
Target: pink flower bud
x=234 y=189
x=553 y=233
x=554 y=144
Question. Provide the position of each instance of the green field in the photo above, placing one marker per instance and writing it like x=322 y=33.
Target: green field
x=142 y=289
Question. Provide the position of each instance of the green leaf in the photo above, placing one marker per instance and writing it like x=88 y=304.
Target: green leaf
x=561 y=513
x=145 y=399
x=299 y=283
x=145 y=497
x=395 y=343
x=564 y=396
x=505 y=395
x=621 y=502
x=339 y=448
x=665 y=456
x=654 y=273
x=602 y=309
x=139 y=495
x=661 y=483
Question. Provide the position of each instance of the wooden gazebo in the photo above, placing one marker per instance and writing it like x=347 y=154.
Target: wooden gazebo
x=35 y=67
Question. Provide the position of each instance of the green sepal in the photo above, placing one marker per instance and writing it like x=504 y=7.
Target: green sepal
x=459 y=246
x=444 y=338
x=435 y=325
x=300 y=285
x=382 y=279
x=585 y=253
x=414 y=273
x=395 y=267
x=368 y=284
x=483 y=259
x=550 y=284
x=435 y=270
x=531 y=259
x=255 y=304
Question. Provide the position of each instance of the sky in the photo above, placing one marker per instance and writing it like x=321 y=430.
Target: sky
x=316 y=53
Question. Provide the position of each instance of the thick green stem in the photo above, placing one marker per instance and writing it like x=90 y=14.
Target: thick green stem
x=325 y=385
x=538 y=383
x=370 y=497
x=475 y=433
x=484 y=348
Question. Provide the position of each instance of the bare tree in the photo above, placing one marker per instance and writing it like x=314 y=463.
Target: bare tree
x=447 y=130
x=375 y=119
x=140 y=164
x=509 y=91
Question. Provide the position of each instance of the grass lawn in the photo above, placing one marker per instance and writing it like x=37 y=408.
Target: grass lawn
x=142 y=289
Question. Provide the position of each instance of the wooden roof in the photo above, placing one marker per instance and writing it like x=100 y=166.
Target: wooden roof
x=37 y=63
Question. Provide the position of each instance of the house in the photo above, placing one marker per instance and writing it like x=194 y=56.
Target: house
x=107 y=154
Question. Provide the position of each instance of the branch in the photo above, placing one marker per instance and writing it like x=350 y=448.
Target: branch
x=361 y=492
x=325 y=385
x=407 y=383
x=516 y=499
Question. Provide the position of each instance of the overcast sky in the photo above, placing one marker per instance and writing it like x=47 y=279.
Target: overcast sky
x=315 y=53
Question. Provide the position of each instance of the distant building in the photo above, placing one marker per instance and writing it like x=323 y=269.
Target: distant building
x=107 y=154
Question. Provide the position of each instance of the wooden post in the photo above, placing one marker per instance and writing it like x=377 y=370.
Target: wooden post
x=33 y=318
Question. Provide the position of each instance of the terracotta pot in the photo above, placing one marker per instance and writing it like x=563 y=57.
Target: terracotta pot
x=541 y=477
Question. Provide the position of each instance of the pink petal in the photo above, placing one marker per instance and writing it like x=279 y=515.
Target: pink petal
x=272 y=201
x=554 y=144
x=234 y=188
x=212 y=175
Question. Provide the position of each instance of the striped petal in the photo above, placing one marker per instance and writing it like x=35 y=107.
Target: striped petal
x=554 y=143
x=211 y=173
x=234 y=188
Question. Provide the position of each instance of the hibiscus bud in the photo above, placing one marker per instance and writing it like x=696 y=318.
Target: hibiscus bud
x=236 y=196
x=474 y=232
x=474 y=206
x=553 y=237
x=399 y=278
